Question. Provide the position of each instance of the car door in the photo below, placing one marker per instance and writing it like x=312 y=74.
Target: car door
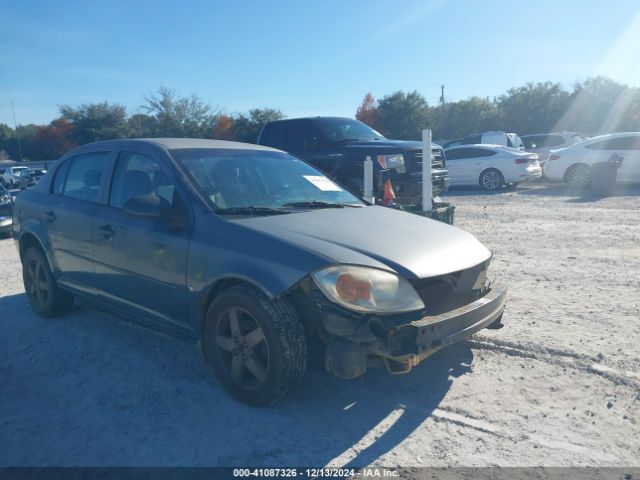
x=454 y=165
x=77 y=189
x=141 y=262
x=627 y=150
x=624 y=149
x=465 y=165
x=478 y=160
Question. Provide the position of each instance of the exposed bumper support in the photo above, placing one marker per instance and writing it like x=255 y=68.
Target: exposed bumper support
x=405 y=346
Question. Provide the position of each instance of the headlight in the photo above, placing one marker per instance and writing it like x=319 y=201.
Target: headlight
x=393 y=161
x=367 y=289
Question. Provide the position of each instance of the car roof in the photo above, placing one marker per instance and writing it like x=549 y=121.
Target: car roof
x=180 y=143
x=612 y=135
x=487 y=146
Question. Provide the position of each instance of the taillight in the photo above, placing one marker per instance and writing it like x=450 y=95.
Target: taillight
x=554 y=157
x=520 y=161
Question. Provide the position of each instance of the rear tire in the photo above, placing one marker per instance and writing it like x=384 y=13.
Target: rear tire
x=43 y=294
x=491 y=179
x=578 y=176
x=256 y=346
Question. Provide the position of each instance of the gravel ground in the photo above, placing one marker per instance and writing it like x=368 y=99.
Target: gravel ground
x=558 y=386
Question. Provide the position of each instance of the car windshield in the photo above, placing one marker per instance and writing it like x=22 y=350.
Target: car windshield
x=20 y=171
x=344 y=129
x=257 y=182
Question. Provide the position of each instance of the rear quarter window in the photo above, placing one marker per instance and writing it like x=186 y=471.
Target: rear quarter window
x=58 y=180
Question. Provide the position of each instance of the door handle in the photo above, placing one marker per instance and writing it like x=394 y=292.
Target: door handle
x=107 y=231
x=51 y=216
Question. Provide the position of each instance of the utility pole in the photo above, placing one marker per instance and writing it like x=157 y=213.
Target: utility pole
x=442 y=101
x=15 y=131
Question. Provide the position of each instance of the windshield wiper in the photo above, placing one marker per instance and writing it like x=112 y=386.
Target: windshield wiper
x=250 y=210
x=346 y=140
x=316 y=204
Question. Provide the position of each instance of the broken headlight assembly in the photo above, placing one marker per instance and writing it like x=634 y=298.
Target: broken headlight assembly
x=367 y=290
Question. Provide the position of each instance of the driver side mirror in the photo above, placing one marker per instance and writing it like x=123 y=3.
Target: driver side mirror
x=152 y=206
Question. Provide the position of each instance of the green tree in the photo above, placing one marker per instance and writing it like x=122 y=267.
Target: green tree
x=600 y=105
x=475 y=114
x=532 y=108
x=246 y=127
x=403 y=115
x=176 y=116
x=7 y=140
x=96 y=121
x=141 y=125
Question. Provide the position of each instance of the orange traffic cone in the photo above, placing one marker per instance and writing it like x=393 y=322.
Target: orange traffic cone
x=389 y=194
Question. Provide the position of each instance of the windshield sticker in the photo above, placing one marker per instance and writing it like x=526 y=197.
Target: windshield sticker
x=322 y=183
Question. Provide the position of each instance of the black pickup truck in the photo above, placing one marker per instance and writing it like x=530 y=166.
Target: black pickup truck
x=339 y=146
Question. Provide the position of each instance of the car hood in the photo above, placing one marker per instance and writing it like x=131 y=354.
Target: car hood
x=411 y=245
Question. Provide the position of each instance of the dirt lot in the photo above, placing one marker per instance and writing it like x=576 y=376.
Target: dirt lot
x=558 y=386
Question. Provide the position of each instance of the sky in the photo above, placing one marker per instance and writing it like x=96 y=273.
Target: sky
x=302 y=57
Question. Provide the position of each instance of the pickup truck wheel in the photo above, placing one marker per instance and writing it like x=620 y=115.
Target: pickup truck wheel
x=256 y=346
x=491 y=179
x=45 y=297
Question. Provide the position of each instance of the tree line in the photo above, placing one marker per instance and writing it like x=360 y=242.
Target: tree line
x=597 y=105
x=166 y=114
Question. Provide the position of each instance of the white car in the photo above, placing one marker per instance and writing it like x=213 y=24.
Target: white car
x=504 y=139
x=491 y=166
x=542 y=143
x=14 y=177
x=573 y=164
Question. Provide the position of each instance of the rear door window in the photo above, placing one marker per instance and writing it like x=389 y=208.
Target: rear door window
x=460 y=153
x=303 y=136
x=620 y=143
x=274 y=134
x=552 y=141
x=84 y=178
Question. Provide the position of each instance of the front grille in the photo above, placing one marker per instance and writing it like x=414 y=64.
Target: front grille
x=414 y=158
x=447 y=292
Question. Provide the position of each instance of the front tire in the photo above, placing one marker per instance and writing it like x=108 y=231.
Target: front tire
x=43 y=294
x=578 y=176
x=491 y=179
x=256 y=346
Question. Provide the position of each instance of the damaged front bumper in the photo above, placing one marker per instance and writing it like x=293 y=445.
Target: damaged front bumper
x=430 y=334
x=401 y=346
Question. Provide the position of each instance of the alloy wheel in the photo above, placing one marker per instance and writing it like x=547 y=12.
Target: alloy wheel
x=579 y=176
x=37 y=285
x=491 y=180
x=242 y=346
